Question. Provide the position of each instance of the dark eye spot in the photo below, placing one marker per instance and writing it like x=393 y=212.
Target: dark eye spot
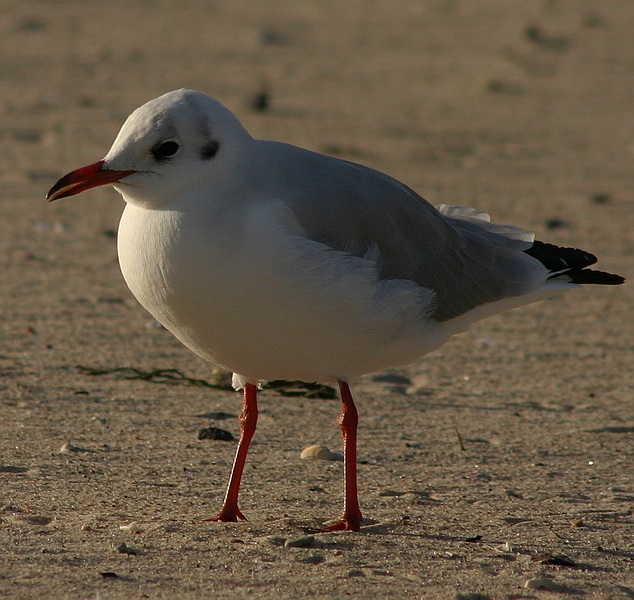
x=209 y=150
x=165 y=150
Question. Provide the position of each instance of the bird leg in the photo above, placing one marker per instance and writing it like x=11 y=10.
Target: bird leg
x=248 y=422
x=348 y=420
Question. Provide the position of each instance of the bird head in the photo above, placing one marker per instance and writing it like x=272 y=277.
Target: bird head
x=174 y=143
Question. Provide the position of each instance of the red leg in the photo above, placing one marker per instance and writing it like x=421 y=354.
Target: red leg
x=348 y=419
x=248 y=421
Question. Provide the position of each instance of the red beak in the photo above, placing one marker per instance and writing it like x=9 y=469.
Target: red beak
x=85 y=178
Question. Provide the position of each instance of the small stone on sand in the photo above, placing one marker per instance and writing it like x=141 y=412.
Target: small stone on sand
x=67 y=448
x=316 y=452
x=543 y=584
x=131 y=528
x=299 y=542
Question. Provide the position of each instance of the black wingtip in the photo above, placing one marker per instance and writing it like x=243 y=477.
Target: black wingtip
x=558 y=259
x=589 y=276
x=570 y=264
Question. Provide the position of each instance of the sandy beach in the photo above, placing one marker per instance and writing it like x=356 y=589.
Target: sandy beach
x=498 y=467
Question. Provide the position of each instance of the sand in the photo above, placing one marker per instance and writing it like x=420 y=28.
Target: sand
x=497 y=467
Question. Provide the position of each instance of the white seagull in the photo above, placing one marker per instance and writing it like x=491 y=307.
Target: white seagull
x=275 y=262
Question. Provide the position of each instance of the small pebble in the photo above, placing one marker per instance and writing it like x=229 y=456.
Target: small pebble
x=506 y=547
x=131 y=528
x=577 y=523
x=299 y=542
x=67 y=448
x=125 y=549
x=214 y=433
x=543 y=584
x=316 y=452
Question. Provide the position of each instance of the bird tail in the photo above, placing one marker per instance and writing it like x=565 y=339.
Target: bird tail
x=570 y=265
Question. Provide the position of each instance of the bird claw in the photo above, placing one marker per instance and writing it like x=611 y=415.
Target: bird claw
x=232 y=515
x=346 y=524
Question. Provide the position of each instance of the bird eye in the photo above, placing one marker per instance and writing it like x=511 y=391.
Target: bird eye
x=165 y=150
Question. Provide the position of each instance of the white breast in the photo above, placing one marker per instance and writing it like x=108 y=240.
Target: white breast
x=252 y=295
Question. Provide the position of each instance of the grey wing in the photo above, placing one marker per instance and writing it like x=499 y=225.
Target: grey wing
x=455 y=251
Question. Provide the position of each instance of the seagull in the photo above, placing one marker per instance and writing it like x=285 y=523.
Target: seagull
x=276 y=262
